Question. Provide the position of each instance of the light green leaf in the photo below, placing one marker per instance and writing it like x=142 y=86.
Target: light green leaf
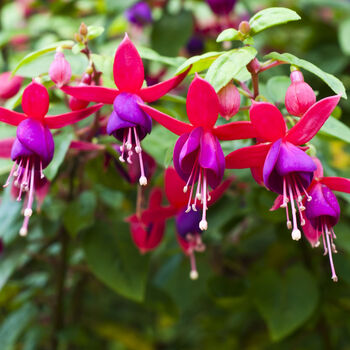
x=335 y=128
x=149 y=54
x=277 y=87
x=334 y=83
x=77 y=48
x=62 y=142
x=271 y=17
x=67 y=44
x=94 y=32
x=344 y=37
x=287 y=302
x=79 y=214
x=199 y=63
x=229 y=35
x=115 y=261
x=14 y=324
x=229 y=66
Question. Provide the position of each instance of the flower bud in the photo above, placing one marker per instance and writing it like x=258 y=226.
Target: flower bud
x=139 y=14
x=60 y=71
x=9 y=86
x=221 y=7
x=83 y=29
x=229 y=101
x=244 y=27
x=75 y=104
x=299 y=95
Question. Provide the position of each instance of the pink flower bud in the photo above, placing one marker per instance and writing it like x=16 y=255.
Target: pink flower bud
x=76 y=104
x=229 y=100
x=9 y=86
x=299 y=95
x=60 y=71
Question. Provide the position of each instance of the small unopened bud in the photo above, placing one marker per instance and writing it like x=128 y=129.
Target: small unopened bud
x=83 y=29
x=78 y=38
x=254 y=66
x=9 y=86
x=299 y=96
x=75 y=104
x=60 y=71
x=244 y=27
x=229 y=101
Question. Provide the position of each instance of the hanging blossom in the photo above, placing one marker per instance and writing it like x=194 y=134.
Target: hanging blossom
x=128 y=123
x=198 y=157
x=278 y=160
x=323 y=212
x=147 y=235
x=33 y=148
x=188 y=232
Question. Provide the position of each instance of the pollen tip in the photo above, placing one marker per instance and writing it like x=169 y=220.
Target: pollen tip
x=199 y=196
x=289 y=225
x=296 y=235
x=28 y=212
x=335 y=278
x=317 y=244
x=185 y=189
x=194 y=207
x=203 y=225
x=122 y=159
x=138 y=149
x=128 y=146
x=193 y=275
x=283 y=205
x=309 y=199
x=23 y=232
x=188 y=209
x=143 y=181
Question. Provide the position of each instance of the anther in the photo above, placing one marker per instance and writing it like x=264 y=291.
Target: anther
x=28 y=212
x=203 y=225
x=296 y=235
x=143 y=180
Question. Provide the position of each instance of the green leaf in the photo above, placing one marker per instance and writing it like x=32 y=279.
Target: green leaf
x=287 y=302
x=79 y=214
x=67 y=44
x=271 y=17
x=77 y=48
x=344 y=37
x=199 y=63
x=335 y=128
x=229 y=66
x=171 y=32
x=277 y=88
x=229 y=35
x=149 y=54
x=62 y=142
x=115 y=261
x=94 y=32
x=14 y=324
x=334 y=83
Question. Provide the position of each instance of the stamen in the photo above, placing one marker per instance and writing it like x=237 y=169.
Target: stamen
x=194 y=272
x=334 y=276
x=296 y=234
x=203 y=225
x=10 y=176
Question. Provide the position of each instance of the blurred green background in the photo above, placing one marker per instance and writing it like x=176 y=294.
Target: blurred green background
x=78 y=282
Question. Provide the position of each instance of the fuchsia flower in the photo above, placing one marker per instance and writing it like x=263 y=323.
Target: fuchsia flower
x=147 y=236
x=128 y=123
x=299 y=96
x=286 y=168
x=322 y=213
x=60 y=71
x=9 y=86
x=187 y=223
x=229 y=101
x=221 y=7
x=198 y=157
x=33 y=148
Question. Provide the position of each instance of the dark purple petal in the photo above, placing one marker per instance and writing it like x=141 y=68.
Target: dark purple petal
x=323 y=206
x=176 y=155
x=221 y=7
x=139 y=14
x=189 y=151
x=37 y=138
x=188 y=223
x=271 y=179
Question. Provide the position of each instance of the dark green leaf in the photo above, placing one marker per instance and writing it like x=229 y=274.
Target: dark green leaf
x=277 y=88
x=334 y=83
x=287 y=302
x=229 y=66
x=114 y=260
x=270 y=17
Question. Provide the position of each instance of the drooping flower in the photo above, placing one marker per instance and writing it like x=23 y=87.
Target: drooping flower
x=188 y=232
x=9 y=86
x=148 y=235
x=60 y=71
x=221 y=7
x=229 y=101
x=139 y=14
x=279 y=160
x=299 y=96
x=198 y=157
x=323 y=212
x=33 y=148
x=128 y=122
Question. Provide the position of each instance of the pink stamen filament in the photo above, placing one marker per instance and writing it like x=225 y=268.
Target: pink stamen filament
x=334 y=276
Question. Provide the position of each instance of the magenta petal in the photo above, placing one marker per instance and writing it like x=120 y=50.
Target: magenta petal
x=155 y=92
x=235 y=131
x=271 y=178
x=340 y=184
x=268 y=121
x=173 y=183
x=92 y=93
x=128 y=67
x=35 y=100
x=312 y=121
x=311 y=234
x=202 y=103
x=10 y=117
x=62 y=120
x=189 y=151
x=176 y=156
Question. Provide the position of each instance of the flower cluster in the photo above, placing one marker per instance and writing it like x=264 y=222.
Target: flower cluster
x=278 y=159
